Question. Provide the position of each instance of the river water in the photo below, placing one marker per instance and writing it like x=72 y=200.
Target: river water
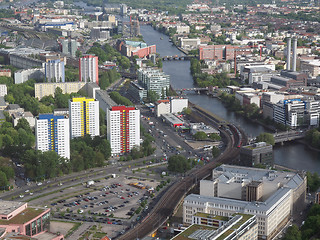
x=291 y=155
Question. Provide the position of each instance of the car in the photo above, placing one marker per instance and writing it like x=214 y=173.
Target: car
x=21 y=196
x=27 y=190
x=39 y=183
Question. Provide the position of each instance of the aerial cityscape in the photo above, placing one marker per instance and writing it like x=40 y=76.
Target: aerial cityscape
x=154 y=120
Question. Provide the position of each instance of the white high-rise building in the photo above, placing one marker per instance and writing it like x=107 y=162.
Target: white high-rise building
x=54 y=71
x=88 y=69
x=123 y=129
x=84 y=117
x=155 y=80
x=52 y=134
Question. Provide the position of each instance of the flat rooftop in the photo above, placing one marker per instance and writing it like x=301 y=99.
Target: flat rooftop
x=25 y=216
x=7 y=207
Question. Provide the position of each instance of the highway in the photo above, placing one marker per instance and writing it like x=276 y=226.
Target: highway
x=177 y=191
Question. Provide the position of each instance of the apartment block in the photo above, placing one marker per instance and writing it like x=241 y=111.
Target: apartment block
x=52 y=134
x=46 y=89
x=54 y=71
x=84 y=117
x=88 y=69
x=123 y=129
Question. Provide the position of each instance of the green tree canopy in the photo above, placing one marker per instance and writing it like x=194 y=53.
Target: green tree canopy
x=266 y=137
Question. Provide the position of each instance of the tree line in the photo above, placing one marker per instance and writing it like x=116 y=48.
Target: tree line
x=121 y=100
x=85 y=153
x=309 y=230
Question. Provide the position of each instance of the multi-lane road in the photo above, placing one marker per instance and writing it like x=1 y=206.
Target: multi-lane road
x=176 y=192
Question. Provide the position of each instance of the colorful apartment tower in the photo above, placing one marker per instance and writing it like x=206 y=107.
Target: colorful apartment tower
x=123 y=129
x=52 y=134
x=84 y=117
x=88 y=69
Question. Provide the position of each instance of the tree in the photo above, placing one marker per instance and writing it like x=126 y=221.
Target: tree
x=266 y=137
x=3 y=180
x=187 y=111
x=215 y=152
x=200 y=135
x=152 y=96
x=214 y=137
x=293 y=233
x=178 y=163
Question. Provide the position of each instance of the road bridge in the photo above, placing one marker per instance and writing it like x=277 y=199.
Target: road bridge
x=198 y=90
x=177 y=58
x=281 y=137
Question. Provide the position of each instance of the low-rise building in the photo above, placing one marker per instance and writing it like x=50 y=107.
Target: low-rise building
x=190 y=43
x=5 y=72
x=257 y=153
x=20 y=221
x=26 y=115
x=162 y=107
x=172 y=120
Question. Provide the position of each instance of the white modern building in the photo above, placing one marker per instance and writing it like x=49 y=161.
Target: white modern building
x=178 y=104
x=3 y=90
x=54 y=71
x=270 y=195
x=155 y=80
x=88 y=69
x=52 y=134
x=84 y=117
x=123 y=129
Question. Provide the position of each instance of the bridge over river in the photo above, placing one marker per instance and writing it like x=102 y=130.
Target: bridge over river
x=281 y=137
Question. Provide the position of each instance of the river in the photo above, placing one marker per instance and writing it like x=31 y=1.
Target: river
x=292 y=155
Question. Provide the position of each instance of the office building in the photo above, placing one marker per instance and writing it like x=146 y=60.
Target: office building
x=289 y=112
x=84 y=117
x=88 y=69
x=20 y=221
x=54 y=71
x=215 y=227
x=270 y=195
x=155 y=80
x=52 y=134
x=257 y=153
x=123 y=129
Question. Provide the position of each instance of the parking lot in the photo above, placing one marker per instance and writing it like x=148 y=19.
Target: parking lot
x=115 y=203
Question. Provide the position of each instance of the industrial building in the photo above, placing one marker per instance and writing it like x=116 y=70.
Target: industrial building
x=123 y=129
x=270 y=195
x=52 y=134
x=257 y=153
x=84 y=117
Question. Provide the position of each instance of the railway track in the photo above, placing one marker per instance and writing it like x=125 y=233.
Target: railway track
x=177 y=191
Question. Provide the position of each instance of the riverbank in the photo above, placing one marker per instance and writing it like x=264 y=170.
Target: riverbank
x=292 y=154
